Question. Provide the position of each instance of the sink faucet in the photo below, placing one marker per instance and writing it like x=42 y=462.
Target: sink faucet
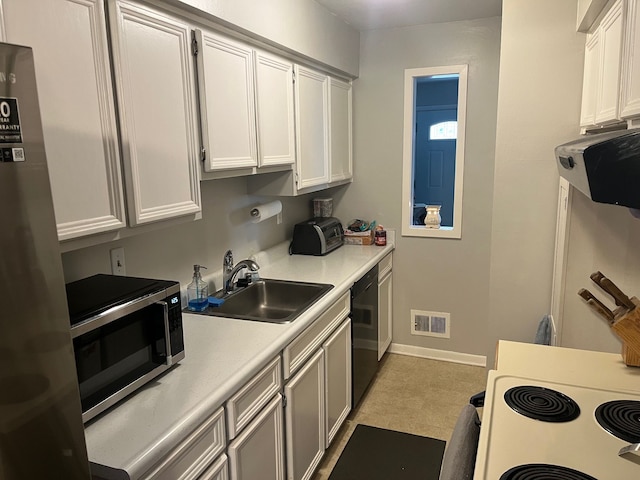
x=229 y=272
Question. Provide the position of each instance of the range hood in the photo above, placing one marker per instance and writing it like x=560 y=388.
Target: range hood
x=604 y=166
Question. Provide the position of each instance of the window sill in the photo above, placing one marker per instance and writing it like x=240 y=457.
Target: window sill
x=420 y=231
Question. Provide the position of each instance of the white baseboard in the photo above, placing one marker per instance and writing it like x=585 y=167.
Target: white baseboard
x=444 y=355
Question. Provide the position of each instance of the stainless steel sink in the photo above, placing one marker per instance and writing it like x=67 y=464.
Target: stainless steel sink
x=275 y=301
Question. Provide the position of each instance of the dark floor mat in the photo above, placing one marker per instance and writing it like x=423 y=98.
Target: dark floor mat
x=377 y=454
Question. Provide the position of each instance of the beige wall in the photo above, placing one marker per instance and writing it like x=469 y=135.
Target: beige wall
x=170 y=253
x=428 y=273
x=538 y=109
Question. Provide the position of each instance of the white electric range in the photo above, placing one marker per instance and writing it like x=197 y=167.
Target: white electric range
x=509 y=440
x=539 y=429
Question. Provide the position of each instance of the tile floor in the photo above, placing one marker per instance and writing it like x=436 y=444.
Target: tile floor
x=413 y=395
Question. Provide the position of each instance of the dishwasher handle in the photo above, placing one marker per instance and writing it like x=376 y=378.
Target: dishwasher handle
x=365 y=282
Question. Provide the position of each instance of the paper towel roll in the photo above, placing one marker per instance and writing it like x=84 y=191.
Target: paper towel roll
x=268 y=210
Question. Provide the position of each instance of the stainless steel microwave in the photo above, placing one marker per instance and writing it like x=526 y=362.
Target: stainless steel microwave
x=126 y=331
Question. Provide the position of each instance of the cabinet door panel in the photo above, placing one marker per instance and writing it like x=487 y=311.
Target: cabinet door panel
x=312 y=148
x=630 y=96
x=227 y=102
x=153 y=68
x=590 y=80
x=69 y=41
x=385 y=310
x=340 y=130
x=337 y=361
x=304 y=417
x=275 y=110
x=258 y=452
x=611 y=51
x=217 y=471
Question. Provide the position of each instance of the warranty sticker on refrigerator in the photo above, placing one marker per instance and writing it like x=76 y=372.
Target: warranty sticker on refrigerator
x=10 y=130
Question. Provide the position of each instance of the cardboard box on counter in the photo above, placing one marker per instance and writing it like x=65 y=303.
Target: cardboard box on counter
x=358 y=238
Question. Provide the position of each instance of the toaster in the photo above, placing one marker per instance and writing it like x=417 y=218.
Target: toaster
x=317 y=236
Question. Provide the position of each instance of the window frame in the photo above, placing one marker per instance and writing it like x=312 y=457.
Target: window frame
x=411 y=77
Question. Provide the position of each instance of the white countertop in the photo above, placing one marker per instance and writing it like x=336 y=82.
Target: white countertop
x=220 y=356
x=567 y=365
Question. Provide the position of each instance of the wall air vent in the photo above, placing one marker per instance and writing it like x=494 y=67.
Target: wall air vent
x=430 y=324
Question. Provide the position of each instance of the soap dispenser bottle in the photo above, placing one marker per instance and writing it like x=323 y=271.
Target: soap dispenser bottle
x=197 y=292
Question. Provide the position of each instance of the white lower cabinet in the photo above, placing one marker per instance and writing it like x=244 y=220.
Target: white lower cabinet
x=385 y=305
x=218 y=471
x=317 y=369
x=258 y=452
x=191 y=458
x=337 y=369
x=304 y=417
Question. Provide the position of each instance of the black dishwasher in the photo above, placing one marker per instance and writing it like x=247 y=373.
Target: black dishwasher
x=364 y=332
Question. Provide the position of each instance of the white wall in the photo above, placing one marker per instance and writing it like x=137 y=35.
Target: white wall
x=170 y=253
x=428 y=273
x=303 y=26
x=604 y=238
x=538 y=108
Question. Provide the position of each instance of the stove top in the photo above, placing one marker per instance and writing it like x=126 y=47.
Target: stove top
x=519 y=446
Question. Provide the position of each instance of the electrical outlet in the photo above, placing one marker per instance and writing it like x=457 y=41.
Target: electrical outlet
x=117 y=261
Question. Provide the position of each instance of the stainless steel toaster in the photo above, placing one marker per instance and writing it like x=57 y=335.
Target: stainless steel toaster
x=317 y=236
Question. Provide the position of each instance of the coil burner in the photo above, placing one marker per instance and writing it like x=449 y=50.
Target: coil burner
x=539 y=471
x=621 y=418
x=542 y=404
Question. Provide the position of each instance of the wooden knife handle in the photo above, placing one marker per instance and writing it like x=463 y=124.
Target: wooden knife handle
x=608 y=286
x=597 y=306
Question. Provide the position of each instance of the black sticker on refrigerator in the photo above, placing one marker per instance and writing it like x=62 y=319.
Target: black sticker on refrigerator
x=11 y=154
x=10 y=131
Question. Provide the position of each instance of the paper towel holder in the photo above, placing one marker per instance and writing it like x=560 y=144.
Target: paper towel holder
x=267 y=210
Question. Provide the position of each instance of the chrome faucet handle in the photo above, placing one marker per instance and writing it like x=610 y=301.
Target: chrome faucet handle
x=631 y=452
x=228 y=261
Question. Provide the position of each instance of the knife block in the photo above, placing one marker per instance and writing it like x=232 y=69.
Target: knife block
x=627 y=327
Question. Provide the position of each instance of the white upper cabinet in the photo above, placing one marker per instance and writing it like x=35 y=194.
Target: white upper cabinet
x=69 y=42
x=311 y=95
x=227 y=102
x=276 y=126
x=323 y=136
x=590 y=79
x=154 y=78
x=602 y=66
x=340 y=130
x=630 y=95
x=607 y=103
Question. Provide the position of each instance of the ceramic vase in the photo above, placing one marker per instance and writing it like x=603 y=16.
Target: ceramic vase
x=433 y=219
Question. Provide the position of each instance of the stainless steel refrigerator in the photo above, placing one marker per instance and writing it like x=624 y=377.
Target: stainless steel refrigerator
x=41 y=431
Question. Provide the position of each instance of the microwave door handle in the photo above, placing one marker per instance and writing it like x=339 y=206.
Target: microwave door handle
x=165 y=313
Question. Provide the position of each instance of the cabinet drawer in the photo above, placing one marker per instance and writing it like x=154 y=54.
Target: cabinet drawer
x=298 y=351
x=385 y=266
x=249 y=400
x=195 y=453
x=217 y=471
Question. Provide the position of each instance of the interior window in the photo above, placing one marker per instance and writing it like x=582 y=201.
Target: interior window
x=433 y=151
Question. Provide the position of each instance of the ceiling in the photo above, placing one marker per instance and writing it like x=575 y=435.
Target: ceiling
x=375 y=14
